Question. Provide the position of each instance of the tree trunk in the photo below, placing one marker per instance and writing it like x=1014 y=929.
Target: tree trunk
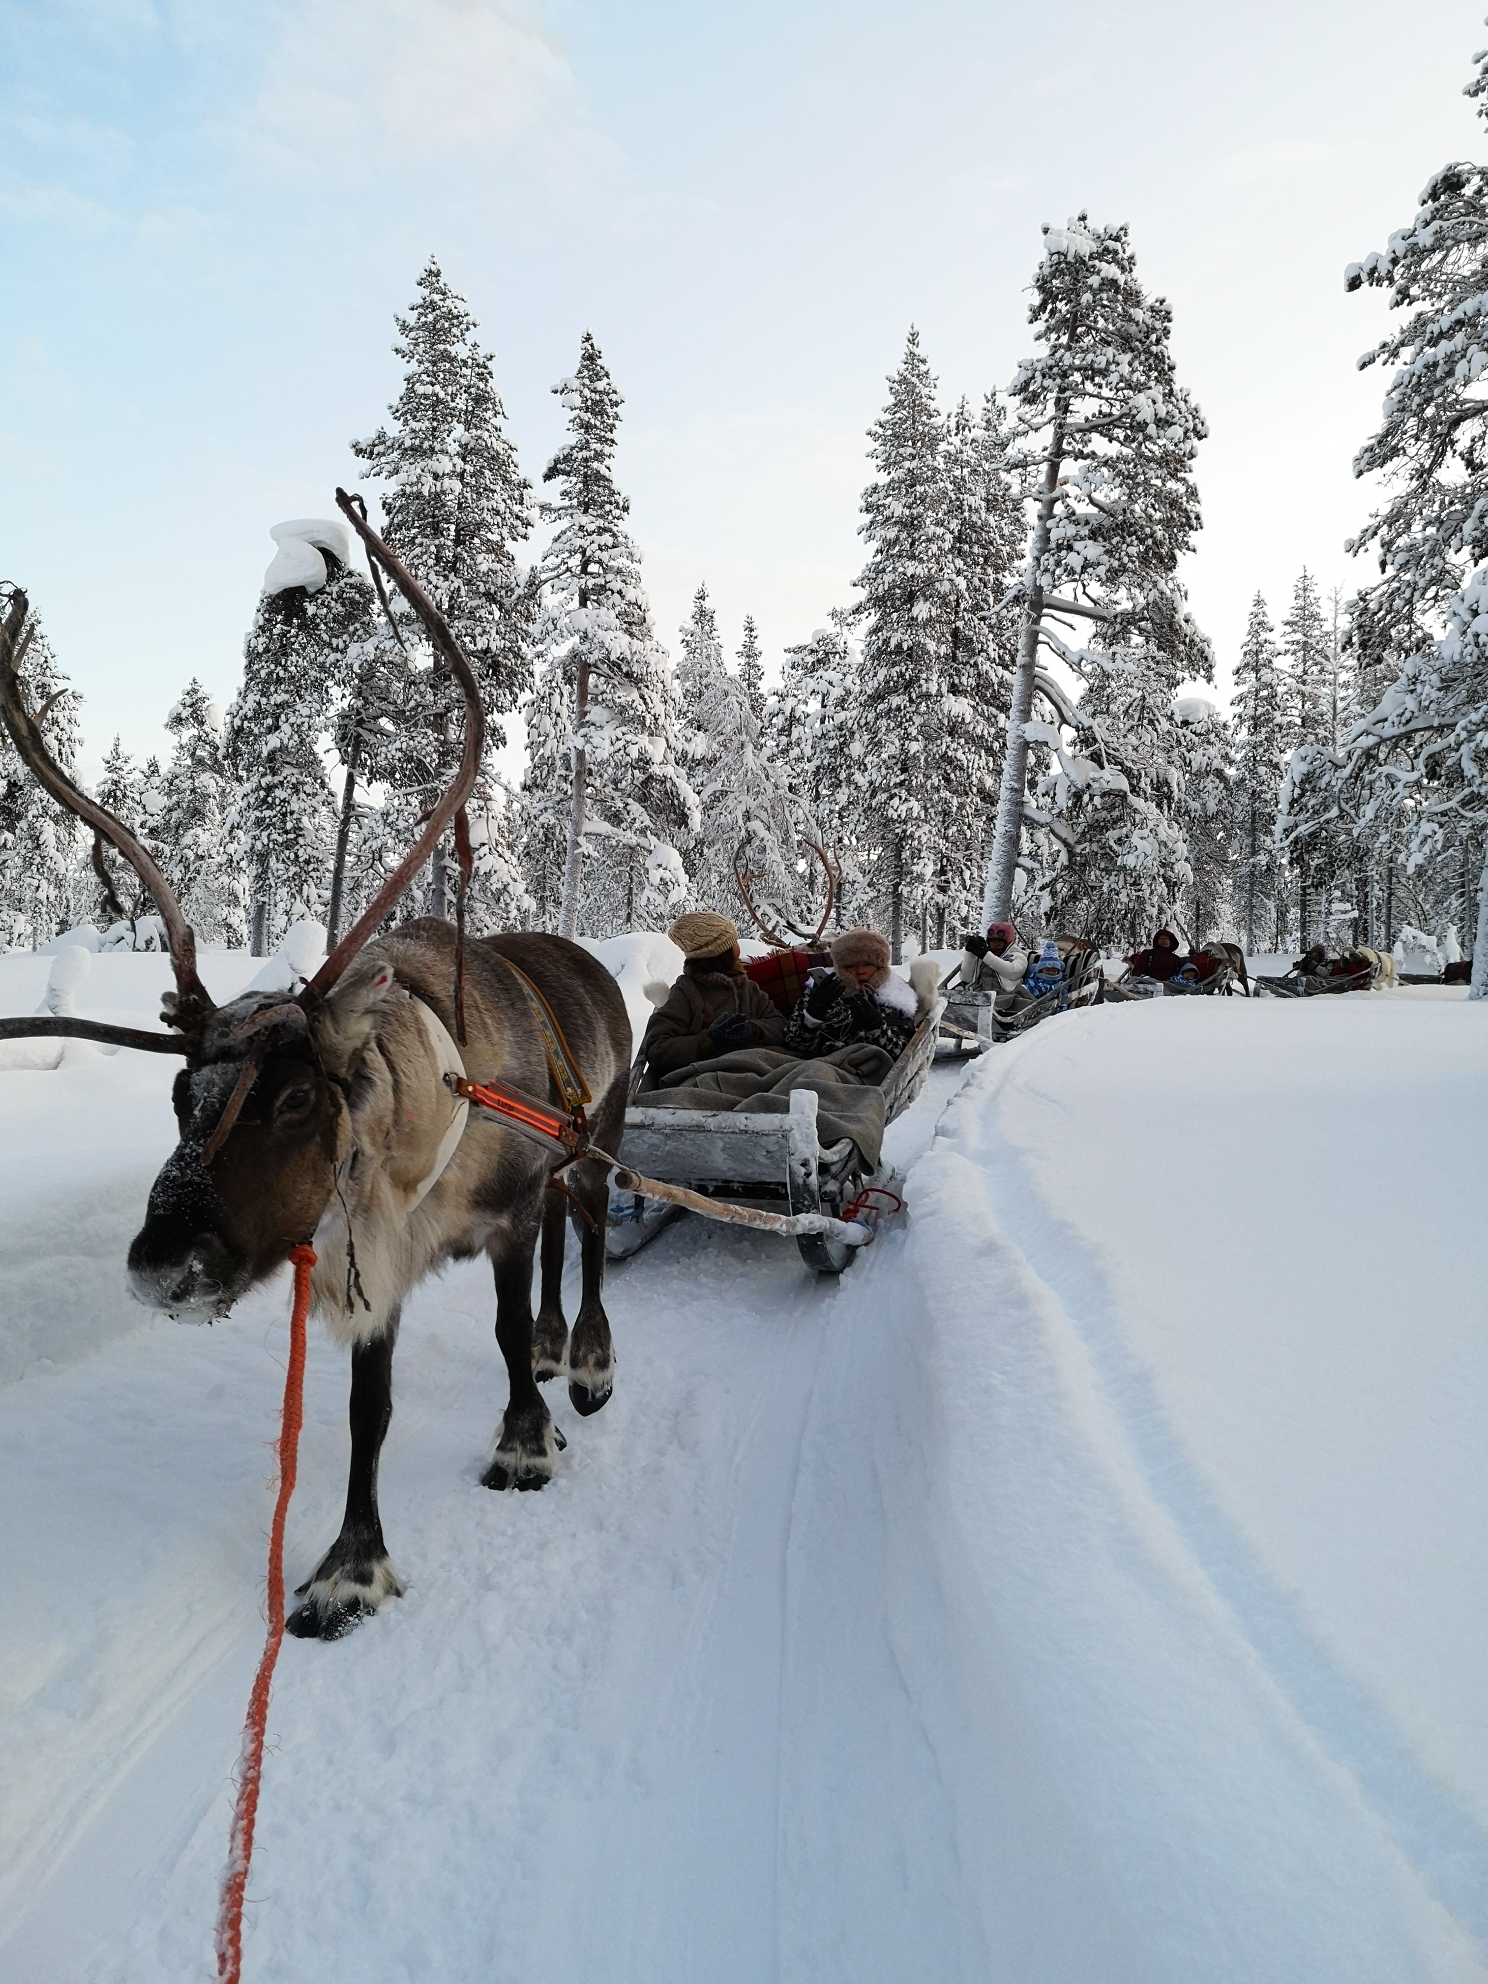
x=1480 y=941
x=343 y=836
x=896 y=904
x=568 y=915
x=1007 y=834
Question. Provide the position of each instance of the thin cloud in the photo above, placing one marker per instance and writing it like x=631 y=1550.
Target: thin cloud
x=401 y=80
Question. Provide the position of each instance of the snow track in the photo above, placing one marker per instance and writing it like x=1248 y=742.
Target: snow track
x=1087 y=1589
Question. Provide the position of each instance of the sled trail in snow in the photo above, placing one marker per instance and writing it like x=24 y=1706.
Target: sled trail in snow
x=600 y=1734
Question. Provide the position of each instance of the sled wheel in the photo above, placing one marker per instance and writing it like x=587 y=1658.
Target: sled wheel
x=824 y=1255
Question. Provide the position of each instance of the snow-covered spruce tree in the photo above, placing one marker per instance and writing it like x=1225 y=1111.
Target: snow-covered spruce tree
x=1099 y=411
x=1417 y=765
x=744 y=798
x=191 y=824
x=134 y=794
x=1100 y=415
x=454 y=506
x=314 y=613
x=812 y=732
x=906 y=612
x=984 y=516
x=751 y=669
x=41 y=846
x=1207 y=817
x=1305 y=703
x=1431 y=449
x=618 y=793
x=1261 y=750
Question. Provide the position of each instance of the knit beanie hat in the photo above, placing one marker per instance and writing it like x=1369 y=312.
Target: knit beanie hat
x=701 y=934
x=860 y=947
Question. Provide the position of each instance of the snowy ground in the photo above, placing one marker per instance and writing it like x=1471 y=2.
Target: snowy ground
x=1091 y=1586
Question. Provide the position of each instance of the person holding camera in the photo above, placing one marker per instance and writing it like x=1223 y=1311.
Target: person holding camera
x=996 y=964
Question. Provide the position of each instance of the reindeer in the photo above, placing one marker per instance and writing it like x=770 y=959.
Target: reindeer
x=327 y=1117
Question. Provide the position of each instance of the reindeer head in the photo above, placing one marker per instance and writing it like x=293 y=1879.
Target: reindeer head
x=263 y=1102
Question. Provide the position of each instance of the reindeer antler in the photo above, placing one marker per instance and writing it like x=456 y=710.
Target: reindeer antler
x=439 y=631
x=192 y=1002
x=743 y=877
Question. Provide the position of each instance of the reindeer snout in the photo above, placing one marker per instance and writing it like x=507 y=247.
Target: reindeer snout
x=184 y=1273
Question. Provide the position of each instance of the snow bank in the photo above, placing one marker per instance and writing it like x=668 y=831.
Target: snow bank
x=1199 y=1327
x=85 y=1131
x=641 y=958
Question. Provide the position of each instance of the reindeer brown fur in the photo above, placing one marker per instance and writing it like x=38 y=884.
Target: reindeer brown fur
x=324 y=1116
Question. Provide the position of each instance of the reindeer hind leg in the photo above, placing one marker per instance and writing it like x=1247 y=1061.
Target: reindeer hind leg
x=591 y=1350
x=527 y=1441
x=550 y=1331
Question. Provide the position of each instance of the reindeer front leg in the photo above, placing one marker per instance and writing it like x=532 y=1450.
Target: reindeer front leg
x=355 y=1575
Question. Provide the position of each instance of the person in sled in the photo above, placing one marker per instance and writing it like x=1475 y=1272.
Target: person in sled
x=858 y=1000
x=713 y=1008
x=1160 y=960
x=997 y=963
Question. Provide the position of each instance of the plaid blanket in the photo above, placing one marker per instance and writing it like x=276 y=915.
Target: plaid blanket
x=781 y=975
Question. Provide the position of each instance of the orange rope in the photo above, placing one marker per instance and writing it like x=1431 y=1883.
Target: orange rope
x=250 y=1762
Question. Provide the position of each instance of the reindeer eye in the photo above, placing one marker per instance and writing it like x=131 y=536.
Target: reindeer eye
x=296 y=1100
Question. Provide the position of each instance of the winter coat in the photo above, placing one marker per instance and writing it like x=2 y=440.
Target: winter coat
x=890 y=1026
x=1002 y=975
x=678 y=1032
x=1156 y=963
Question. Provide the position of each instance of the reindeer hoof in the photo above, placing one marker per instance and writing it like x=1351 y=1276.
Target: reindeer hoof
x=504 y=1474
x=586 y=1402
x=327 y=1622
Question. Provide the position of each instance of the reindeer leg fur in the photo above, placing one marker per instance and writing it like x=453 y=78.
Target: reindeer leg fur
x=355 y=1575
x=591 y=1352
x=550 y=1331
x=527 y=1441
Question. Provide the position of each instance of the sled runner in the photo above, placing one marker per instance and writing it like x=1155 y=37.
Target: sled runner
x=1296 y=984
x=774 y=1163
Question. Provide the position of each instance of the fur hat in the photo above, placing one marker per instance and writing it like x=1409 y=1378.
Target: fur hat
x=860 y=946
x=701 y=934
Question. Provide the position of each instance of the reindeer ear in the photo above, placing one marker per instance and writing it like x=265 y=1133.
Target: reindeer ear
x=348 y=1015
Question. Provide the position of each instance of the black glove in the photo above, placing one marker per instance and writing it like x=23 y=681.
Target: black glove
x=821 y=995
x=731 y=1031
x=864 y=1009
x=977 y=945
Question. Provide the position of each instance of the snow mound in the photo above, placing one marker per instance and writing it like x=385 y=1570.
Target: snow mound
x=301 y=952
x=639 y=959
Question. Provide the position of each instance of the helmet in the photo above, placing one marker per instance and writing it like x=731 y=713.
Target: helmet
x=1004 y=930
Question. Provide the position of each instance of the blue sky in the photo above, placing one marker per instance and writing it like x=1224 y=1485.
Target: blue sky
x=211 y=210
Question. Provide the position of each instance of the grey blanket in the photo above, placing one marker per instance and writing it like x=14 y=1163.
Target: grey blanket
x=759 y=1080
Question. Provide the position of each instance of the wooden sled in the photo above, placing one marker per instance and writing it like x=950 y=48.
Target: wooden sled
x=740 y=1163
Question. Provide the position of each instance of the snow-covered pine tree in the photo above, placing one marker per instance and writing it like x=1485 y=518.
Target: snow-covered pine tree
x=455 y=505
x=1100 y=415
x=1207 y=816
x=135 y=795
x=1260 y=759
x=812 y=733
x=906 y=611
x=313 y=615
x=984 y=519
x=744 y=797
x=41 y=846
x=751 y=669
x=621 y=798
x=1307 y=648
x=1431 y=449
x=1416 y=767
x=195 y=850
